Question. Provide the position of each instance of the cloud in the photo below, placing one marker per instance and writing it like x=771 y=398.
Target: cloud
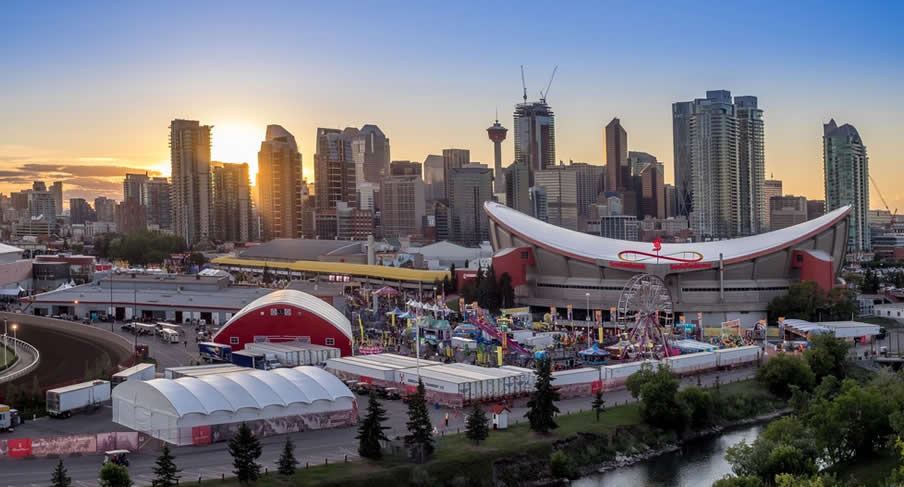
x=84 y=170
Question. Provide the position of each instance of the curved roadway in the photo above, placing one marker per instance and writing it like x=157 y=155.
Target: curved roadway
x=26 y=359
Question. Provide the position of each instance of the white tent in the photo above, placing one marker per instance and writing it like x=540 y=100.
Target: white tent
x=171 y=409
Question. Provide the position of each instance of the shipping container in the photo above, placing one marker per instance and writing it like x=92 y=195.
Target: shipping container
x=691 y=363
x=293 y=354
x=576 y=376
x=138 y=372
x=201 y=370
x=64 y=401
x=737 y=357
x=215 y=352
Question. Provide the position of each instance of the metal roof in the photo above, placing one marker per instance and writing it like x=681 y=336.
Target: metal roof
x=592 y=248
x=298 y=299
x=354 y=270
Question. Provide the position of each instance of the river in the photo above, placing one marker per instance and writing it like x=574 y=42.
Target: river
x=698 y=464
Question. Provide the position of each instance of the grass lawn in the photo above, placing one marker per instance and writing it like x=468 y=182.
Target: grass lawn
x=11 y=357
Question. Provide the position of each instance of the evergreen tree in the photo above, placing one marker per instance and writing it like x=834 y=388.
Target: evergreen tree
x=420 y=436
x=476 y=426
x=370 y=433
x=541 y=408
x=599 y=404
x=453 y=280
x=60 y=477
x=266 y=276
x=165 y=470
x=506 y=291
x=113 y=475
x=287 y=461
x=245 y=450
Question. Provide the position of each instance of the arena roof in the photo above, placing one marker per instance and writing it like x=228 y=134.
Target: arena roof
x=298 y=299
x=590 y=248
x=231 y=392
x=354 y=270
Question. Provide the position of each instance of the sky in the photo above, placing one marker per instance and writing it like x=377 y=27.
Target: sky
x=88 y=89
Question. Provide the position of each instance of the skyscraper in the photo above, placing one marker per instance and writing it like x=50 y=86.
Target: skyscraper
x=405 y=168
x=469 y=188
x=80 y=211
x=334 y=168
x=42 y=203
x=815 y=208
x=618 y=171
x=433 y=177
x=158 y=202
x=846 y=168
x=517 y=186
x=771 y=188
x=133 y=186
x=453 y=159
x=787 y=210
x=370 y=149
x=652 y=195
x=535 y=135
x=104 y=208
x=589 y=179
x=56 y=191
x=751 y=166
x=560 y=184
x=131 y=216
x=279 y=185
x=538 y=205
x=639 y=160
x=718 y=170
x=496 y=133
x=190 y=160
x=233 y=218
x=402 y=210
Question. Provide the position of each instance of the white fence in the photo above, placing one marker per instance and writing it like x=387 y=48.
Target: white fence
x=18 y=345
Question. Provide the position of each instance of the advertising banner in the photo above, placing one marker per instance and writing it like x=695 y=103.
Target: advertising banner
x=596 y=386
x=200 y=435
x=19 y=447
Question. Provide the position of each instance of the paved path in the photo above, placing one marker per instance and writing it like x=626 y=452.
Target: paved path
x=314 y=447
x=26 y=358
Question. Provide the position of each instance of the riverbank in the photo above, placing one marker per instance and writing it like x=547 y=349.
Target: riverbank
x=518 y=456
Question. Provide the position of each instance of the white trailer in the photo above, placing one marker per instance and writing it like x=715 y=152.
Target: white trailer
x=575 y=376
x=691 y=363
x=64 y=401
x=292 y=354
x=137 y=372
x=201 y=370
x=464 y=343
x=737 y=357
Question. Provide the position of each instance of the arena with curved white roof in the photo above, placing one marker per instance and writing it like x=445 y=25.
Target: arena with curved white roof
x=724 y=280
x=197 y=410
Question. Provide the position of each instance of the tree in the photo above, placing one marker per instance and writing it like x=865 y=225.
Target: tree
x=420 y=434
x=113 y=475
x=803 y=301
x=506 y=291
x=636 y=380
x=197 y=258
x=854 y=423
x=165 y=470
x=659 y=400
x=827 y=356
x=370 y=432
x=870 y=283
x=732 y=481
x=699 y=404
x=476 y=428
x=287 y=461
x=779 y=373
x=60 y=477
x=598 y=405
x=245 y=450
x=453 y=280
x=266 y=275
x=784 y=447
x=541 y=408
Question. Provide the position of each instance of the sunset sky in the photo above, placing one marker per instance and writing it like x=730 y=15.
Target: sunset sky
x=87 y=92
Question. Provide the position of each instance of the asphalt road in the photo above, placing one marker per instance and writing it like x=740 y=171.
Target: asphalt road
x=314 y=447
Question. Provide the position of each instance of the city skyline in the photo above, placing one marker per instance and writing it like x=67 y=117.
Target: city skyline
x=799 y=85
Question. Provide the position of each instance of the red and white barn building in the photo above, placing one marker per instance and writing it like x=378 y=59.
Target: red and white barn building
x=288 y=316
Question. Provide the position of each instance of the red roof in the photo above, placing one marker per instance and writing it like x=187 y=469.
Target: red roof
x=498 y=408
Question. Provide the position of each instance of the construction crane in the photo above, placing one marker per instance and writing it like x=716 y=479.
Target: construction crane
x=544 y=93
x=891 y=223
x=523 y=84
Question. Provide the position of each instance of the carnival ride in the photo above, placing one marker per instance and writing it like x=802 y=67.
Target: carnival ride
x=645 y=312
x=494 y=333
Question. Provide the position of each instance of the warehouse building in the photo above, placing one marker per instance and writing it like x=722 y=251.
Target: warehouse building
x=210 y=408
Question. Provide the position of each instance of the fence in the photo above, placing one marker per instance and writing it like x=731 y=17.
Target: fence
x=10 y=376
x=69 y=445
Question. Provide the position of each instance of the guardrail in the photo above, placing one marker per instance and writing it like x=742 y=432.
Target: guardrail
x=28 y=368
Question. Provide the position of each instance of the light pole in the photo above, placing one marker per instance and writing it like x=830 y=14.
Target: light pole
x=587 y=295
x=134 y=312
x=15 y=347
x=5 y=350
x=112 y=311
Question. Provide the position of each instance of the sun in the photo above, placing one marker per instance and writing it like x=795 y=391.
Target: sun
x=234 y=141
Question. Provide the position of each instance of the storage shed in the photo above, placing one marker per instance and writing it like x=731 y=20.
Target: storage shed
x=200 y=410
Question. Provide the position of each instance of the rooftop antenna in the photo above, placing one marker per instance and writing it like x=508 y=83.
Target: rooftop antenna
x=497 y=114
x=544 y=93
x=523 y=85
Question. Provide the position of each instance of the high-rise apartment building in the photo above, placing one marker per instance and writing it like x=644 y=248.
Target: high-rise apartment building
x=671 y=200
x=535 y=135
x=131 y=216
x=402 y=211
x=771 y=189
x=652 y=194
x=787 y=210
x=279 y=185
x=334 y=168
x=157 y=201
x=751 y=166
x=80 y=211
x=589 y=179
x=105 y=209
x=133 y=186
x=56 y=191
x=42 y=203
x=233 y=217
x=619 y=227
x=453 y=159
x=560 y=183
x=38 y=186
x=618 y=170
x=539 y=206
x=846 y=168
x=719 y=182
x=469 y=188
x=370 y=151
x=405 y=168
x=192 y=198
x=434 y=179
x=517 y=187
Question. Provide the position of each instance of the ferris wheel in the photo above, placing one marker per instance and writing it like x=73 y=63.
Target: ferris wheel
x=645 y=309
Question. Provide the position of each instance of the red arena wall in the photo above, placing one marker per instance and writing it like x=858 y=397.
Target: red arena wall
x=282 y=322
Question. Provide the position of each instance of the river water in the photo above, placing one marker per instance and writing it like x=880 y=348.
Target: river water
x=698 y=464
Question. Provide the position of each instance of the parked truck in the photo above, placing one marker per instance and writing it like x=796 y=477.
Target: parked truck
x=250 y=359
x=64 y=401
x=215 y=352
x=138 y=372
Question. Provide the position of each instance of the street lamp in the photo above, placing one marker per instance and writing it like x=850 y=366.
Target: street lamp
x=5 y=350
x=15 y=347
x=587 y=295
